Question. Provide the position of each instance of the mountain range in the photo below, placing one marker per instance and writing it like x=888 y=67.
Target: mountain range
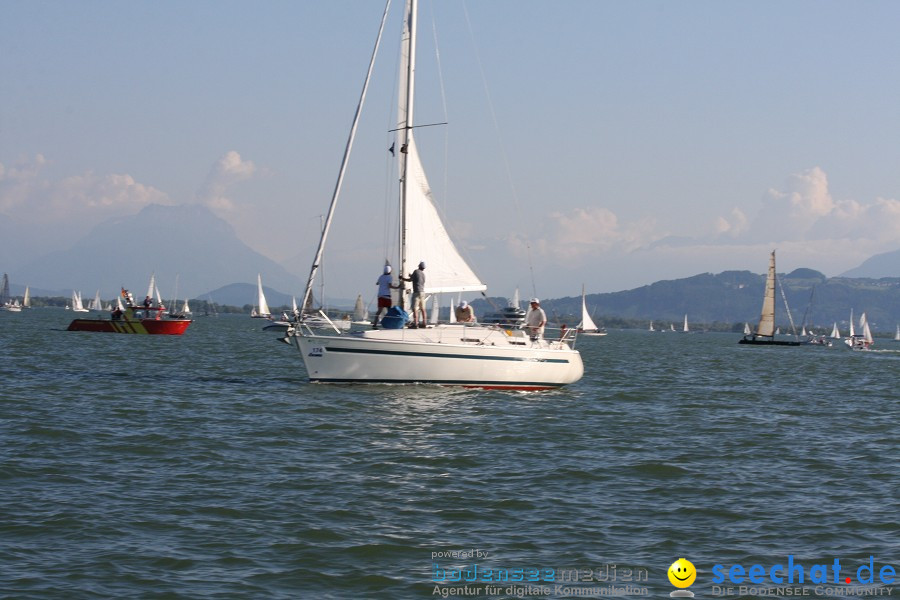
x=736 y=296
x=207 y=256
x=187 y=240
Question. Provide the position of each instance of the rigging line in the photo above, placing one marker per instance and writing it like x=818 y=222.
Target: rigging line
x=786 y=307
x=440 y=73
x=503 y=153
x=340 y=179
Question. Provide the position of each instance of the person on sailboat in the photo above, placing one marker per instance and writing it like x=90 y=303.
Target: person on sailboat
x=535 y=320
x=417 y=301
x=385 y=283
x=465 y=313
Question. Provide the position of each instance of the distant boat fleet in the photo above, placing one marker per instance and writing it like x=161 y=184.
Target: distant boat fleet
x=859 y=336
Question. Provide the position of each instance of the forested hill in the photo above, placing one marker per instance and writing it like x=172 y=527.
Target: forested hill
x=736 y=297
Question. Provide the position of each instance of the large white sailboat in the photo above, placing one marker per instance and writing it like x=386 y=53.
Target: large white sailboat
x=471 y=355
x=587 y=325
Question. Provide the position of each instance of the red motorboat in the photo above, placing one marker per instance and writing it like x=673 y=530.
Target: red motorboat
x=133 y=319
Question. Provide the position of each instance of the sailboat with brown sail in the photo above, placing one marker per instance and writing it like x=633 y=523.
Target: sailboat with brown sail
x=765 y=331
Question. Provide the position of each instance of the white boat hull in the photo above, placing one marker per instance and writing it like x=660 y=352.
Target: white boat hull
x=484 y=357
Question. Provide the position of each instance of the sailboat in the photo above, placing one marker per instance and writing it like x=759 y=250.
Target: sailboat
x=6 y=301
x=835 y=332
x=896 y=335
x=651 y=326
x=480 y=355
x=685 y=329
x=862 y=340
x=261 y=311
x=77 y=305
x=96 y=304
x=587 y=325
x=360 y=314
x=765 y=331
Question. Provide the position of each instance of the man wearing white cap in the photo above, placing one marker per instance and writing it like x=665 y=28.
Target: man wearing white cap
x=535 y=320
x=384 y=283
x=465 y=313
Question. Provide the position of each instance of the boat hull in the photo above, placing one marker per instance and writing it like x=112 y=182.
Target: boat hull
x=767 y=342
x=445 y=355
x=139 y=326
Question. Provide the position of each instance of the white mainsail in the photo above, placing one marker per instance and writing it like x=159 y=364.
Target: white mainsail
x=26 y=301
x=96 y=303
x=587 y=323
x=864 y=326
x=685 y=329
x=897 y=335
x=835 y=332
x=262 y=307
x=423 y=235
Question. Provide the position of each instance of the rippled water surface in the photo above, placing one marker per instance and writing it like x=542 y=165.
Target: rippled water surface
x=204 y=466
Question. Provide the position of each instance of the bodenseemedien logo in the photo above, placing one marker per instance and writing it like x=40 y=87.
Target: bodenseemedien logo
x=682 y=574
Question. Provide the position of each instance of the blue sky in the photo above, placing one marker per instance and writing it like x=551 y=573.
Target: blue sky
x=630 y=142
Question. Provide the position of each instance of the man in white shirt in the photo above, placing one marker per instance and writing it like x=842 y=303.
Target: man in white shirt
x=535 y=320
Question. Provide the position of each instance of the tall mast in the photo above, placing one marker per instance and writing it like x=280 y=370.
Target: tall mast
x=405 y=125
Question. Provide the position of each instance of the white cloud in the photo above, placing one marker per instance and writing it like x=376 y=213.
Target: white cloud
x=80 y=199
x=585 y=232
x=226 y=171
x=804 y=211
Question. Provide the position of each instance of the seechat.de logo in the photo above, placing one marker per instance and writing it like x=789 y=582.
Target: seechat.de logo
x=682 y=574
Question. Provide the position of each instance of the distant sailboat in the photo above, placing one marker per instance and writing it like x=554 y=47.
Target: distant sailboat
x=746 y=328
x=651 y=326
x=587 y=325
x=361 y=315
x=863 y=340
x=765 y=331
x=835 y=332
x=96 y=303
x=686 y=328
x=262 y=307
x=897 y=335
x=6 y=301
x=26 y=301
x=77 y=305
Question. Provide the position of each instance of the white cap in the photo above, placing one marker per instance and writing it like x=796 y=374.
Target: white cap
x=387 y=269
x=534 y=301
x=463 y=304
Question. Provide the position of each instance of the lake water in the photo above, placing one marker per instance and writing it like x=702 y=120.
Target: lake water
x=204 y=466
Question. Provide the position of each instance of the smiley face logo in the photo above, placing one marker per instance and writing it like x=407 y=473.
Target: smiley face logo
x=682 y=573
